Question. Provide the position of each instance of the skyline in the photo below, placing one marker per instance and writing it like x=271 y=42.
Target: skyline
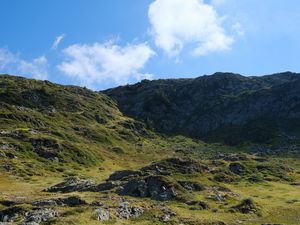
x=106 y=44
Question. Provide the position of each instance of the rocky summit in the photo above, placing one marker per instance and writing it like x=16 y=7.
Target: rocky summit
x=220 y=149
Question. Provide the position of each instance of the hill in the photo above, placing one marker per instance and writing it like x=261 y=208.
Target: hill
x=222 y=107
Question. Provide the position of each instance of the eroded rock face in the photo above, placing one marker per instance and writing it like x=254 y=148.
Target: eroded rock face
x=71 y=185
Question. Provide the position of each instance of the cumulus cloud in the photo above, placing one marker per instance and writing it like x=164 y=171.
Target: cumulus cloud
x=175 y=23
x=13 y=64
x=106 y=62
x=57 y=41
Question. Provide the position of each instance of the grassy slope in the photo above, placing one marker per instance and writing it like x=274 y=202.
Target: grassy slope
x=86 y=149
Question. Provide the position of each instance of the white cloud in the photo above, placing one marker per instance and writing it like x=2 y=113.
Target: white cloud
x=12 y=64
x=176 y=23
x=57 y=41
x=106 y=62
x=37 y=68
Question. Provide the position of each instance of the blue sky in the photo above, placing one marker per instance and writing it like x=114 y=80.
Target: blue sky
x=102 y=44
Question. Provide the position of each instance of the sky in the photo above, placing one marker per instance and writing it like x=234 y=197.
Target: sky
x=106 y=43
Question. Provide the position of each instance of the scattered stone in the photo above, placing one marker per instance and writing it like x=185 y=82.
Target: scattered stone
x=102 y=214
x=38 y=216
x=70 y=185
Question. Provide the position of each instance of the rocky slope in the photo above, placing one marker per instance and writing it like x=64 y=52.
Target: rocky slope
x=258 y=109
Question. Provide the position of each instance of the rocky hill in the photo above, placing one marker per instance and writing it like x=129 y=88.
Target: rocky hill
x=69 y=155
x=224 y=106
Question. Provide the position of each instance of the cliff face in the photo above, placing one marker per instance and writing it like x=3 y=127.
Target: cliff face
x=204 y=106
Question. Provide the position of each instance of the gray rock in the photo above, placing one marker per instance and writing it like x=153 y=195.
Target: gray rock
x=125 y=211
x=102 y=214
x=136 y=188
x=38 y=216
x=71 y=185
x=155 y=187
x=159 y=189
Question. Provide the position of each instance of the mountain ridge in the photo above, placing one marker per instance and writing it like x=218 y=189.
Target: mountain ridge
x=194 y=107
